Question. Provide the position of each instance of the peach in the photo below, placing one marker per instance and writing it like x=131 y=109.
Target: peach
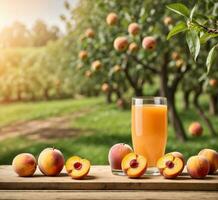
x=116 y=153
x=51 y=161
x=168 y=21
x=83 y=55
x=88 y=73
x=24 y=164
x=89 y=33
x=212 y=156
x=198 y=166
x=133 y=47
x=134 y=165
x=175 y=55
x=149 y=43
x=179 y=63
x=213 y=82
x=112 y=19
x=121 y=43
x=96 y=65
x=178 y=155
x=133 y=29
x=195 y=129
x=77 y=167
x=121 y=103
x=170 y=165
x=117 y=68
x=105 y=87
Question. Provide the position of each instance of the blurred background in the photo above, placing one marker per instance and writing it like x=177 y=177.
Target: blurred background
x=64 y=85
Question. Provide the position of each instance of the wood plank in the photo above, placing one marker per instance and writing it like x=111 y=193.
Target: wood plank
x=101 y=178
x=99 y=195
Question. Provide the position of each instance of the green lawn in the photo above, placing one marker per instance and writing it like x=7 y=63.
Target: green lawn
x=102 y=126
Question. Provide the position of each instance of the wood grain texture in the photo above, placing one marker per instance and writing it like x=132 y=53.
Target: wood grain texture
x=101 y=178
x=110 y=194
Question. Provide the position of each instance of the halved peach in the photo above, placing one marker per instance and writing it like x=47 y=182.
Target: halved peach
x=134 y=165
x=77 y=167
x=170 y=166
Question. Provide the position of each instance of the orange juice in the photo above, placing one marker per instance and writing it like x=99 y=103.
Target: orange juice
x=149 y=131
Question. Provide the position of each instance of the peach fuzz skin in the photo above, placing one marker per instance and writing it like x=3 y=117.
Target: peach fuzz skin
x=197 y=166
x=116 y=153
x=212 y=156
x=51 y=162
x=24 y=164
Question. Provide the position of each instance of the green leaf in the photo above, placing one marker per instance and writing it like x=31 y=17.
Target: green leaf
x=207 y=36
x=193 y=11
x=180 y=9
x=180 y=27
x=212 y=55
x=193 y=43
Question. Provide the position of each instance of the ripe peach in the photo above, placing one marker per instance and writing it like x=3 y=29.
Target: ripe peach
x=51 y=162
x=112 y=19
x=134 y=165
x=105 y=87
x=213 y=82
x=195 y=129
x=121 y=44
x=83 y=55
x=133 y=47
x=89 y=33
x=168 y=21
x=116 y=153
x=198 y=166
x=212 y=156
x=149 y=43
x=96 y=65
x=178 y=155
x=175 y=55
x=170 y=165
x=24 y=164
x=88 y=73
x=133 y=28
x=77 y=167
x=117 y=68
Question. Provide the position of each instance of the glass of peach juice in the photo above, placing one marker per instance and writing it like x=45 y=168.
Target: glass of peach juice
x=149 y=129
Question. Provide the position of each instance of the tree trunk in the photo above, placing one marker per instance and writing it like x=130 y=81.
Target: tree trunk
x=186 y=95
x=46 y=93
x=202 y=113
x=109 y=97
x=213 y=105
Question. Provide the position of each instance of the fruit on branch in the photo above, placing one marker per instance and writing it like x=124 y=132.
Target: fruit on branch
x=133 y=47
x=168 y=20
x=175 y=56
x=105 y=87
x=116 y=154
x=88 y=73
x=195 y=129
x=117 y=68
x=121 y=43
x=134 y=28
x=51 y=161
x=83 y=55
x=112 y=19
x=180 y=62
x=89 y=33
x=96 y=65
x=149 y=43
x=198 y=166
x=24 y=164
x=212 y=157
x=213 y=82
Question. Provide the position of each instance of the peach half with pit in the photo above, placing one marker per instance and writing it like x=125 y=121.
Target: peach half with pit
x=134 y=165
x=170 y=166
x=77 y=167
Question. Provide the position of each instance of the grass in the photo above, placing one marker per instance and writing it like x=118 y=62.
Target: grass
x=101 y=127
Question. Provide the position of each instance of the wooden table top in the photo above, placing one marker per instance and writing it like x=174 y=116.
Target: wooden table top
x=102 y=183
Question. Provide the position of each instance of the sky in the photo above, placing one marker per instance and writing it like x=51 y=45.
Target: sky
x=27 y=11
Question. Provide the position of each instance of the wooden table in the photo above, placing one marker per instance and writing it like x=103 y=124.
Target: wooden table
x=101 y=184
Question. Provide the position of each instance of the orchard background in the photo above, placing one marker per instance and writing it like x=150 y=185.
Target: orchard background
x=73 y=90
